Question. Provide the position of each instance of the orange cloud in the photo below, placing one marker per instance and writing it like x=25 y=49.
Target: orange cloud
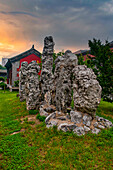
x=13 y=37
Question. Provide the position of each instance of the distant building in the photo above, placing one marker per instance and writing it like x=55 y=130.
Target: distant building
x=84 y=53
x=3 y=73
x=87 y=53
x=4 y=61
x=13 y=64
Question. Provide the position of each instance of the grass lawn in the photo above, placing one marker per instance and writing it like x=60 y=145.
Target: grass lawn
x=40 y=148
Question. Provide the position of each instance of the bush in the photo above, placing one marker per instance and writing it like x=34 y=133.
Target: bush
x=2 y=79
x=102 y=65
x=3 y=68
x=41 y=118
x=16 y=83
x=33 y=112
x=3 y=85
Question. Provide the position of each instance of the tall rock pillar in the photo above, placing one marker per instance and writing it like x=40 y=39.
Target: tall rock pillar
x=22 y=80
x=47 y=65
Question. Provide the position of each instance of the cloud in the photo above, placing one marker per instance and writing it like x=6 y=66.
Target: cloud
x=71 y=23
x=107 y=7
x=6 y=47
x=37 y=8
x=18 y=13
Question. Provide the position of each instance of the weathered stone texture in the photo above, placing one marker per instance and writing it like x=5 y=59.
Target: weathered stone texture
x=53 y=93
x=48 y=46
x=47 y=65
x=32 y=87
x=79 y=131
x=62 y=80
x=46 y=82
x=47 y=55
x=86 y=90
x=22 y=80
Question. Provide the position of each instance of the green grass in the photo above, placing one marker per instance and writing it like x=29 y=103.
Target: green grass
x=33 y=112
x=42 y=148
x=41 y=118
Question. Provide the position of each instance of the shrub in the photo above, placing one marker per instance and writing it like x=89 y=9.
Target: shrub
x=3 y=68
x=16 y=83
x=41 y=118
x=2 y=79
x=3 y=85
x=33 y=112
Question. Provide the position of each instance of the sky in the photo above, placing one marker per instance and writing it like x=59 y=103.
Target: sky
x=71 y=23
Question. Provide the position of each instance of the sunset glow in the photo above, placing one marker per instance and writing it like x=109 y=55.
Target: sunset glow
x=71 y=23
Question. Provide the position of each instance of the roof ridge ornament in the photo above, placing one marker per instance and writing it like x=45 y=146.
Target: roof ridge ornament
x=33 y=46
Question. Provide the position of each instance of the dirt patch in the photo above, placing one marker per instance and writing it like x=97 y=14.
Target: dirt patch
x=0 y=156
x=22 y=130
x=108 y=115
x=92 y=124
x=30 y=118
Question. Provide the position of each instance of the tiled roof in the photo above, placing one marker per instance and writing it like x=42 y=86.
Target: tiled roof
x=22 y=55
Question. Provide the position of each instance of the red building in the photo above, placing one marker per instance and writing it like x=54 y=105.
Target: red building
x=86 y=53
x=13 y=64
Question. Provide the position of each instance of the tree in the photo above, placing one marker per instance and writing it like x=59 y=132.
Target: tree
x=1 y=67
x=80 y=59
x=102 y=65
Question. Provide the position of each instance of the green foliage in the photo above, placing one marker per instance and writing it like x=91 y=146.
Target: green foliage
x=41 y=118
x=1 y=67
x=81 y=60
x=3 y=85
x=72 y=102
x=2 y=79
x=33 y=112
x=16 y=83
x=54 y=58
x=102 y=65
x=87 y=62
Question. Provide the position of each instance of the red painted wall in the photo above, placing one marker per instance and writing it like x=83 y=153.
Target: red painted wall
x=85 y=56
x=92 y=56
x=29 y=58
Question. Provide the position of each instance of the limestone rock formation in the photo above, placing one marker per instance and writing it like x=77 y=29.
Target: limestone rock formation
x=32 y=88
x=76 y=117
x=46 y=83
x=78 y=122
x=22 y=80
x=47 y=65
x=47 y=55
x=62 y=80
x=52 y=93
x=48 y=46
x=86 y=90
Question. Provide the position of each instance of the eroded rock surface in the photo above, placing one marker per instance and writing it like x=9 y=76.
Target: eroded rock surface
x=86 y=90
x=78 y=122
x=48 y=46
x=62 y=95
x=32 y=87
x=22 y=80
x=47 y=65
x=52 y=93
